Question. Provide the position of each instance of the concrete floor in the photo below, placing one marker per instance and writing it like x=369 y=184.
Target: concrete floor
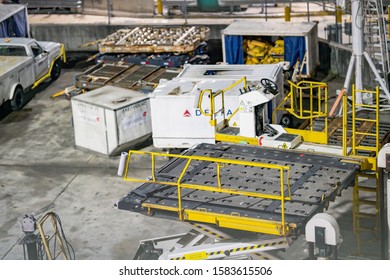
x=40 y=171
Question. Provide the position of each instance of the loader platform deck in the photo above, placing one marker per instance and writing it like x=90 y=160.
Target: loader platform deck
x=239 y=187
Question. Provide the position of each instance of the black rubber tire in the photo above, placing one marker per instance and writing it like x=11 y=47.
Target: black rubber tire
x=287 y=121
x=56 y=70
x=18 y=101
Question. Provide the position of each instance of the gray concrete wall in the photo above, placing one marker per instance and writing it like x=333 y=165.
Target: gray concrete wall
x=340 y=56
x=73 y=36
x=119 y=7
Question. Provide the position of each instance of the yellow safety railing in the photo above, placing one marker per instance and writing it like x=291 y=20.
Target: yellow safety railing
x=366 y=197
x=314 y=91
x=55 y=234
x=345 y=123
x=356 y=147
x=369 y=162
x=272 y=227
x=213 y=95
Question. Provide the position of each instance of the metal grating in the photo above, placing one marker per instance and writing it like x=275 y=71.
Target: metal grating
x=315 y=181
x=131 y=76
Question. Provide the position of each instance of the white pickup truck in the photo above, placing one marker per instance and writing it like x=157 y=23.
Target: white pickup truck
x=24 y=64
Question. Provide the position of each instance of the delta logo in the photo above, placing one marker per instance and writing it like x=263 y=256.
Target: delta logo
x=187 y=114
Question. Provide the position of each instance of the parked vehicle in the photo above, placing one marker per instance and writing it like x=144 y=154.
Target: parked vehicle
x=26 y=63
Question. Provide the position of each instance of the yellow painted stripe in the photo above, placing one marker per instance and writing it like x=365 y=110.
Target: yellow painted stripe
x=247 y=248
x=208 y=231
x=196 y=256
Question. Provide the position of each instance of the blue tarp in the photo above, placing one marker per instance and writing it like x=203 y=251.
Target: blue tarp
x=294 y=48
x=14 y=26
x=20 y=24
x=234 y=49
x=3 y=29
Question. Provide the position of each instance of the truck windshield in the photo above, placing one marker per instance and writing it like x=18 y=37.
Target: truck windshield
x=13 y=51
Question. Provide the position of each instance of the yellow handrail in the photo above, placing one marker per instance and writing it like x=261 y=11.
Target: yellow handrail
x=370 y=161
x=201 y=100
x=295 y=97
x=345 y=123
x=297 y=92
x=213 y=95
x=355 y=146
x=284 y=181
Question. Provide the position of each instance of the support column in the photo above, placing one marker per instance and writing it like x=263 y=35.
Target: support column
x=358 y=45
x=159 y=7
x=287 y=13
x=339 y=21
x=388 y=19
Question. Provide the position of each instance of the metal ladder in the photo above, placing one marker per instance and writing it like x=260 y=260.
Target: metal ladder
x=375 y=37
x=366 y=214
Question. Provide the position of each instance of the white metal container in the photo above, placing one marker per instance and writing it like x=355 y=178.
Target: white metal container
x=110 y=119
x=177 y=123
x=309 y=30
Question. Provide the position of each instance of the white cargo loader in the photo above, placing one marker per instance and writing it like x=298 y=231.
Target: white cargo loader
x=24 y=64
x=176 y=119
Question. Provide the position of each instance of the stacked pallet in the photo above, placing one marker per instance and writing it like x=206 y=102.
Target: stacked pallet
x=126 y=75
x=155 y=40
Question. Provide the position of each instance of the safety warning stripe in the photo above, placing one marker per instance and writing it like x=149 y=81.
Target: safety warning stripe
x=220 y=237
x=238 y=250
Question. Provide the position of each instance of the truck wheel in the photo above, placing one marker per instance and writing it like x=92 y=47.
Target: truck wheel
x=18 y=101
x=56 y=70
x=287 y=121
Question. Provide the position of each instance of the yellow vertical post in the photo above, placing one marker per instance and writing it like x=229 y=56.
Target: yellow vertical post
x=355 y=220
x=287 y=13
x=345 y=122
x=388 y=17
x=300 y=102
x=292 y=96
x=353 y=135
x=127 y=165
x=219 y=175
x=339 y=14
x=282 y=197
x=319 y=95
x=326 y=112
x=153 y=169
x=179 y=188
x=311 y=109
x=159 y=7
x=377 y=120
x=338 y=26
